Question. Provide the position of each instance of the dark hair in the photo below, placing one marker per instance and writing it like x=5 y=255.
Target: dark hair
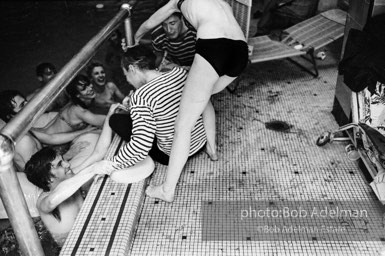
x=73 y=92
x=6 y=104
x=91 y=67
x=38 y=171
x=141 y=56
x=42 y=66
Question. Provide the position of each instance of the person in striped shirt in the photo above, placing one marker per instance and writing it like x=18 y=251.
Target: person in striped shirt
x=149 y=128
x=221 y=55
x=173 y=43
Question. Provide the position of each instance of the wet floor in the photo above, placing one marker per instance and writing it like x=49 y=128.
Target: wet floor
x=266 y=138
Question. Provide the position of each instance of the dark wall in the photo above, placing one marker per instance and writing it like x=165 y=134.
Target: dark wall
x=51 y=31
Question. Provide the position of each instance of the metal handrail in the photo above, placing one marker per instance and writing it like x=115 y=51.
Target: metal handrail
x=10 y=190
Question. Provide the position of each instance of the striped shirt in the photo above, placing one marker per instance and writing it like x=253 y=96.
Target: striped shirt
x=180 y=51
x=154 y=108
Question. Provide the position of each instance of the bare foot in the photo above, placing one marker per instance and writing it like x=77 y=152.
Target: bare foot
x=212 y=155
x=158 y=192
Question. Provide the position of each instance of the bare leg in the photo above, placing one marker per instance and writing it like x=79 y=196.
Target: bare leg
x=209 y=123
x=209 y=118
x=195 y=97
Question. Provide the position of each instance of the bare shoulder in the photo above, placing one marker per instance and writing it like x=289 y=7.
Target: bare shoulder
x=78 y=109
x=27 y=143
x=43 y=195
x=111 y=86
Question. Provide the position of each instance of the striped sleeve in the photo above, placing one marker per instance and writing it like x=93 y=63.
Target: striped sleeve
x=143 y=134
x=158 y=38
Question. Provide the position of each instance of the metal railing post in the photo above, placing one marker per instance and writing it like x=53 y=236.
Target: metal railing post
x=10 y=190
x=14 y=202
x=128 y=26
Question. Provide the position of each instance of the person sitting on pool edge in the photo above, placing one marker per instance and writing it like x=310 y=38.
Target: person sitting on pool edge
x=154 y=107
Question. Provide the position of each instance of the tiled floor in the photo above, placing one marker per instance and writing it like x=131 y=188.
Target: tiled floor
x=256 y=164
x=260 y=164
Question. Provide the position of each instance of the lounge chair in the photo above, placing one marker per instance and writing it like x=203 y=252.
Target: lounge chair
x=301 y=39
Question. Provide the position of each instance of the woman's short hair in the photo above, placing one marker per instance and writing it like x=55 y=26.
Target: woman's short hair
x=73 y=91
x=140 y=56
x=91 y=67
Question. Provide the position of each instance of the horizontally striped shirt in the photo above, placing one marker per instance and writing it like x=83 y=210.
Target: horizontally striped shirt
x=154 y=108
x=180 y=51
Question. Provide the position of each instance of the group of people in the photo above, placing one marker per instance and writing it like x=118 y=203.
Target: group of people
x=198 y=49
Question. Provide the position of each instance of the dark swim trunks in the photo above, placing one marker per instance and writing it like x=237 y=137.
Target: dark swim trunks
x=228 y=57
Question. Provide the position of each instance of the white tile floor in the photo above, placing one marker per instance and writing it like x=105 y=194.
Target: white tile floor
x=260 y=164
x=256 y=164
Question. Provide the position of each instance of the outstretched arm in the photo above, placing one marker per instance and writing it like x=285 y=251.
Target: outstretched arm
x=49 y=201
x=59 y=138
x=155 y=19
x=103 y=143
x=90 y=118
x=118 y=93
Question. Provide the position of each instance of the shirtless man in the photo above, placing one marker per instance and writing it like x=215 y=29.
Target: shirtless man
x=107 y=93
x=61 y=199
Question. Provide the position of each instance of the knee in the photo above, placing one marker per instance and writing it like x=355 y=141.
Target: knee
x=122 y=125
x=113 y=121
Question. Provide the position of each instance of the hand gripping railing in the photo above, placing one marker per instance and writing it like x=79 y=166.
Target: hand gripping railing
x=10 y=190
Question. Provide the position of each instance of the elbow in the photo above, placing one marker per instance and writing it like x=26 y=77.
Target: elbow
x=50 y=205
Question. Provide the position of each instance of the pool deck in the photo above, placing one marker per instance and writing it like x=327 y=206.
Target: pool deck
x=256 y=164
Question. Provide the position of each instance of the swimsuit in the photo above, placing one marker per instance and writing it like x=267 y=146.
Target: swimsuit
x=228 y=57
x=74 y=127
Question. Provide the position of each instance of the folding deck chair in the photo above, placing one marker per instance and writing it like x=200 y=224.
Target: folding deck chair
x=301 y=39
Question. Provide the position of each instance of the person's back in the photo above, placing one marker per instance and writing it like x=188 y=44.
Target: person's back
x=162 y=95
x=154 y=109
x=24 y=149
x=67 y=210
x=212 y=19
